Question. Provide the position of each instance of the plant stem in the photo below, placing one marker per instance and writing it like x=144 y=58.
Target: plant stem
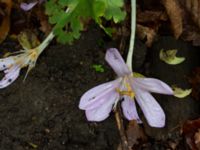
x=132 y=38
x=119 y=121
x=46 y=42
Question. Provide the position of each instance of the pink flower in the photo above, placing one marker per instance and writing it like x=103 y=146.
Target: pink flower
x=99 y=101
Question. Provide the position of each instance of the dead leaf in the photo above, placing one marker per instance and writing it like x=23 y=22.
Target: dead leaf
x=5 y=7
x=185 y=19
x=193 y=8
x=191 y=130
x=28 y=40
x=151 y=16
x=175 y=15
x=146 y=33
x=45 y=27
x=148 y=24
x=134 y=133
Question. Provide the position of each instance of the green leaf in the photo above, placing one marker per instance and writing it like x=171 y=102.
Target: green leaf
x=98 y=68
x=114 y=10
x=99 y=8
x=69 y=24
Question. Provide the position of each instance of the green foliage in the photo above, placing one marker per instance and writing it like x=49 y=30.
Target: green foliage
x=98 y=68
x=69 y=16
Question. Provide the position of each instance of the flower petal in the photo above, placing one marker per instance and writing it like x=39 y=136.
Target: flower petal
x=152 y=85
x=28 y=6
x=6 y=63
x=10 y=77
x=152 y=111
x=97 y=95
x=102 y=112
x=129 y=109
x=116 y=61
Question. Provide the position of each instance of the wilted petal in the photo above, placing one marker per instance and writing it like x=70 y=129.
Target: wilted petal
x=102 y=112
x=28 y=6
x=129 y=109
x=152 y=85
x=97 y=95
x=152 y=111
x=10 y=77
x=6 y=63
x=116 y=61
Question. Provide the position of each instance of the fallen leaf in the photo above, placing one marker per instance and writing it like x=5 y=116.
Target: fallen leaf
x=148 y=16
x=193 y=8
x=180 y=93
x=28 y=40
x=5 y=23
x=148 y=24
x=191 y=131
x=175 y=15
x=169 y=57
x=147 y=33
x=45 y=27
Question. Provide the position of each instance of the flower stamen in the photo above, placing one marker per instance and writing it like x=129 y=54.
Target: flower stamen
x=127 y=93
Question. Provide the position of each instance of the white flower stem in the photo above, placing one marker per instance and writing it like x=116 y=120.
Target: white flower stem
x=132 y=38
x=46 y=42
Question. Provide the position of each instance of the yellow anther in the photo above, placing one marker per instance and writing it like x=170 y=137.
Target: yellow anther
x=128 y=93
x=33 y=54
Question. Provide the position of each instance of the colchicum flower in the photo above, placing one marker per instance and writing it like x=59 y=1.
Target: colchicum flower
x=12 y=65
x=99 y=101
x=29 y=6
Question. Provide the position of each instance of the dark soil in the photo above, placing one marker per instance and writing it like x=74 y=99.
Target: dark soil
x=42 y=112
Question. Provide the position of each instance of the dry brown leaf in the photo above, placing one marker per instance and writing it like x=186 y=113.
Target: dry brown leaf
x=191 y=130
x=134 y=133
x=191 y=21
x=150 y=16
x=193 y=8
x=5 y=24
x=175 y=15
x=147 y=33
x=45 y=26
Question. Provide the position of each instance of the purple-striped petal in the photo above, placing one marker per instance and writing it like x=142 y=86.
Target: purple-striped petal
x=102 y=112
x=152 y=111
x=10 y=76
x=28 y=6
x=96 y=96
x=129 y=109
x=117 y=63
x=152 y=85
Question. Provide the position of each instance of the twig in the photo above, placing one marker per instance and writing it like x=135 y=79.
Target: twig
x=119 y=121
